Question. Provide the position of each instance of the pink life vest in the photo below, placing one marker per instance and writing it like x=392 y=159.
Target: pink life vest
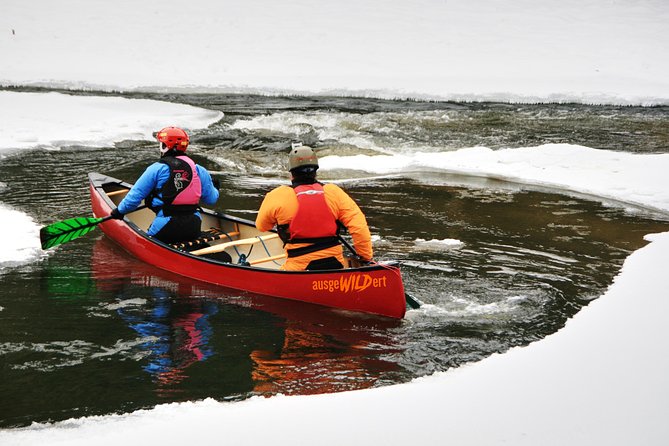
x=183 y=189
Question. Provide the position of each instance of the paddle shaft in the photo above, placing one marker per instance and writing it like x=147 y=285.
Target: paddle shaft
x=348 y=246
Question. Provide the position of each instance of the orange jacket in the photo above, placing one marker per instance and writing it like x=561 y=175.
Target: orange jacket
x=280 y=206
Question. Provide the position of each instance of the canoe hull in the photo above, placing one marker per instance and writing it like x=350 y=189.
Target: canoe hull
x=376 y=289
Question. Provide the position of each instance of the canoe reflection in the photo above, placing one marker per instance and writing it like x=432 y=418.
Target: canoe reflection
x=281 y=346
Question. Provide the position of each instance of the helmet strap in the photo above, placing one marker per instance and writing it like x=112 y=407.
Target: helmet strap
x=166 y=151
x=163 y=148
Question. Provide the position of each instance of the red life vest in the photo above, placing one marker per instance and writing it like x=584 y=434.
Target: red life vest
x=314 y=219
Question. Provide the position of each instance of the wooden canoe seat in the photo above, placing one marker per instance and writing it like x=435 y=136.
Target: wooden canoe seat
x=245 y=241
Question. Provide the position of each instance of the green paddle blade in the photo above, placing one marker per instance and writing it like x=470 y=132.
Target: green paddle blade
x=412 y=301
x=67 y=230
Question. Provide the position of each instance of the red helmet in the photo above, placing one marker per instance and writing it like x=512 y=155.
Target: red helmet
x=173 y=138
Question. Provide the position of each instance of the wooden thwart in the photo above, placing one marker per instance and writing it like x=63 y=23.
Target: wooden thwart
x=269 y=259
x=222 y=246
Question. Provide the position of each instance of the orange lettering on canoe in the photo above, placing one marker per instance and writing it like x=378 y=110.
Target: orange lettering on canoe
x=349 y=283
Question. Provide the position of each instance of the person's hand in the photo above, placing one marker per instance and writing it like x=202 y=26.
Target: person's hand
x=115 y=214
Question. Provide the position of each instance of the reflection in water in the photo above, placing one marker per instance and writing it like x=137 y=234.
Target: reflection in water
x=318 y=349
x=65 y=282
x=173 y=342
x=310 y=362
x=175 y=334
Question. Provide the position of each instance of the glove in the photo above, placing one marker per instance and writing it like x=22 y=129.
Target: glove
x=217 y=184
x=116 y=214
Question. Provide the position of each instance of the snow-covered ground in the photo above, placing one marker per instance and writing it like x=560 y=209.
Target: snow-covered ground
x=599 y=380
x=532 y=50
x=29 y=120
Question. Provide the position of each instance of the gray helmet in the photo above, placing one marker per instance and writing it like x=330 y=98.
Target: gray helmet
x=301 y=156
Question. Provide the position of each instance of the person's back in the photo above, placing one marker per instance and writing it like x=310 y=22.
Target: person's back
x=306 y=215
x=172 y=187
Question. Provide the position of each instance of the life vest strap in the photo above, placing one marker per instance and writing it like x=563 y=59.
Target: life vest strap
x=296 y=252
x=179 y=209
x=327 y=239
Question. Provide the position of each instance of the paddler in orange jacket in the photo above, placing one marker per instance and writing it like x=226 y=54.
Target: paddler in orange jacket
x=306 y=215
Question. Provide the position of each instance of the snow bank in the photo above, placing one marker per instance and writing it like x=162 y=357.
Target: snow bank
x=592 y=51
x=638 y=179
x=29 y=120
x=19 y=238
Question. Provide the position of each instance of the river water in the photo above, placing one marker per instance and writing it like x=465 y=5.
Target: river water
x=89 y=330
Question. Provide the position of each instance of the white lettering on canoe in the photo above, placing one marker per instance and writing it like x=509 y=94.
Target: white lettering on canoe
x=349 y=283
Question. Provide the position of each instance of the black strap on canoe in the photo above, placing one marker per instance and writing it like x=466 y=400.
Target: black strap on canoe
x=207 y=236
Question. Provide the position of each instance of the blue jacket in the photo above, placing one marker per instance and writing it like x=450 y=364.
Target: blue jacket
x=152 y=179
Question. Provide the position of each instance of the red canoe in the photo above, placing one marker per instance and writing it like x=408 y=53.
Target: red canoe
x=375 y=289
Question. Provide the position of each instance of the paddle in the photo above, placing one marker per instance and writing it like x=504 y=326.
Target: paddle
x=67 y=230
x=411 y=301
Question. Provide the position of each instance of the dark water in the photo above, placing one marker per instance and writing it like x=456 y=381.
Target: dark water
x=89 y=330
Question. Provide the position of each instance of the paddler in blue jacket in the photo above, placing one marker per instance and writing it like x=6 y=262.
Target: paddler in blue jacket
x=173 y=188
